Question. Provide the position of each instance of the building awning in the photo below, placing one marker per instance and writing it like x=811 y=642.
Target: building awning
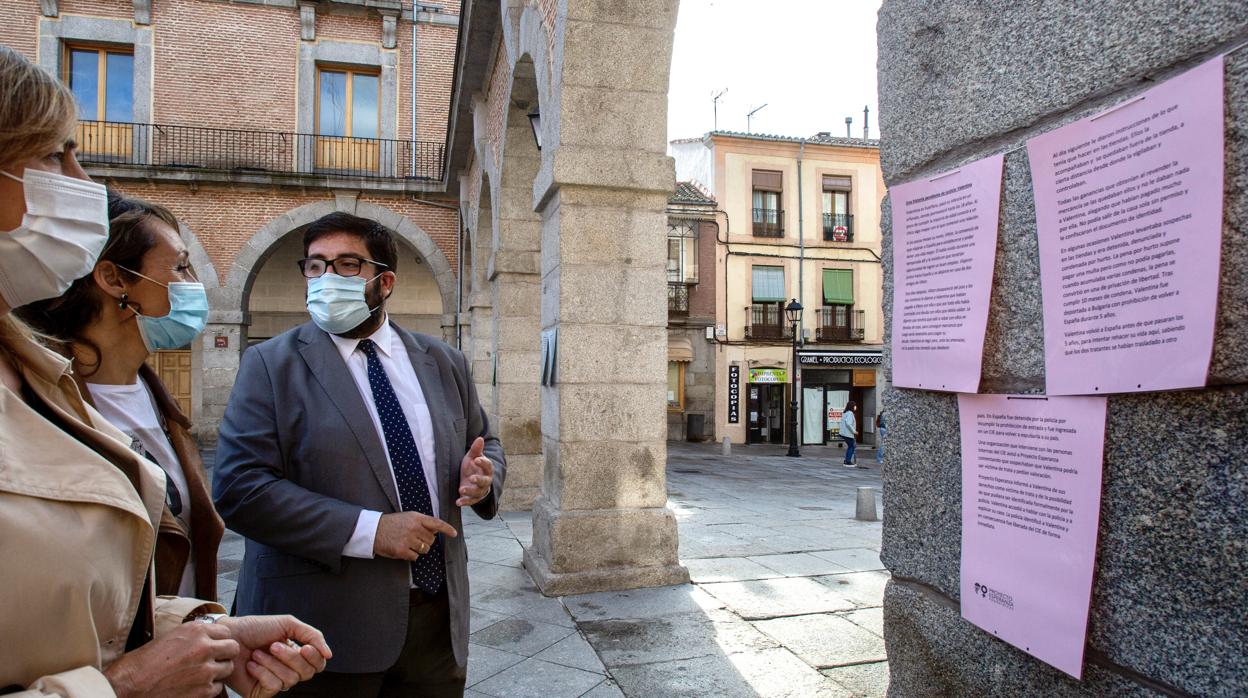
x=679 y=349
x=838 y=286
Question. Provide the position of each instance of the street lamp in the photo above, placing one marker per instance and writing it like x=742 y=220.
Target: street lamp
x=793 y=312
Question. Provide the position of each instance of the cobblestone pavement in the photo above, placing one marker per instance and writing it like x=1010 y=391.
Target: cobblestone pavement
x=785 y=599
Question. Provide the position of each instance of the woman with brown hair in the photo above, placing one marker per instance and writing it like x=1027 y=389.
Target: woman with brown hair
x=142 y=297
x=79 y=510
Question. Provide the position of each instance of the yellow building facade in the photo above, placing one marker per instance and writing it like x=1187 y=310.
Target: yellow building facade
x=799 y=219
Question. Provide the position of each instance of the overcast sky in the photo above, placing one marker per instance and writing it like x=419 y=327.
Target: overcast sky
x=812 y=62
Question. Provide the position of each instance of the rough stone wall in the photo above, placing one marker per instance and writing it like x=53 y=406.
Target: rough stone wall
x=959 y=81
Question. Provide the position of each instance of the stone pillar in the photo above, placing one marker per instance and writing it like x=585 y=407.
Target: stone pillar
x=1167 y=616
x=214 y=378
x=601 y=521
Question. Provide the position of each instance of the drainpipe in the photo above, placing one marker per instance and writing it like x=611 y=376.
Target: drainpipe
x=416 y=10
x=801 y=233
x=801 y=270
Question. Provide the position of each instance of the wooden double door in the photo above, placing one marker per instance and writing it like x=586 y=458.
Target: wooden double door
x=174 y=369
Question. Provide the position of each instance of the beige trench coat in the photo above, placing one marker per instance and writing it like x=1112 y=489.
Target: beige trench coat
x=77 y=532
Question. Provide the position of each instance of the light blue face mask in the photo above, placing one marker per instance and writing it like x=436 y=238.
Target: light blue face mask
x=336 y=303
x=188 y=313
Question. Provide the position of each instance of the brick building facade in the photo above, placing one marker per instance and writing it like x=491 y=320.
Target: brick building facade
x=250 y=119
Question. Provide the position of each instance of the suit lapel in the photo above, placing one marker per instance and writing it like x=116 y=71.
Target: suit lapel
x=430 y=379
x=327 y=367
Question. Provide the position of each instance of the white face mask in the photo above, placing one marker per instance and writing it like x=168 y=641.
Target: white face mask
x=61 y=236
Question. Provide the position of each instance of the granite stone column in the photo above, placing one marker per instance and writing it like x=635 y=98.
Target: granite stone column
x=960 y=81
x=601 y=521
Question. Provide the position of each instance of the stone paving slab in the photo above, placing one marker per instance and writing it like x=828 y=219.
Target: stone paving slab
x=521 y=636
x=864 y=680
x=484 y=662
x=869 y=618
x=771 y=598
x=825 y=640
x=863 y=588
x=727 y=569
x=640 y=603
x=798 y=564
x=853 y=559
x=606 y=689
x=575 y=652
x=773 y=673
x=679 y=636
x=534 y=678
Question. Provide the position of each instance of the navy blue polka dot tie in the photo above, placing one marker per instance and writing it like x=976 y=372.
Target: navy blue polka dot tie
x=428 y=570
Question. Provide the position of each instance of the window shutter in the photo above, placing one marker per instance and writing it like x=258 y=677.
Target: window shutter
x=767 y=179
x=768 y=284
x=838 y=286
x=834 y=183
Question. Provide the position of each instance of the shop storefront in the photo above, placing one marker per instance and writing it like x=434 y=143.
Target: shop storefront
x=830 y=380
x=767 y=400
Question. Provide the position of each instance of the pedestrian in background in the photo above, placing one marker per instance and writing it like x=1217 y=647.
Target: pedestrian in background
x=849 y=432
x=140 y=298
x=879 y=427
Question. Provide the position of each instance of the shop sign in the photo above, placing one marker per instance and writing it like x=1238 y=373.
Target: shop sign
x=769 y=375
x=734 y=394
x=840 y=359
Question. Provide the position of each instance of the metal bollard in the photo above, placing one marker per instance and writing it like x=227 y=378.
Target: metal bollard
x=726 y=449
x=866 y=505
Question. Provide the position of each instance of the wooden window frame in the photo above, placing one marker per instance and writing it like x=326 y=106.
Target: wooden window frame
x=101 y=96
x=351 y=71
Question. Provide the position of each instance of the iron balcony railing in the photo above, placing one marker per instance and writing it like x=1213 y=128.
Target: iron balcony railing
x=841 y=323
x=678 y=298
x=767 y=321
x=239 y=151
x=768 y=222
x=838 y=227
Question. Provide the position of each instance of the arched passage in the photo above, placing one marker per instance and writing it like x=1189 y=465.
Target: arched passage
x=515 y=284
x=227 y=332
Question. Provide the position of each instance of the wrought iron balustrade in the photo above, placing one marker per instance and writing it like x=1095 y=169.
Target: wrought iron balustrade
x=241 y=151
x=768 y=222
x=678 y=298
x=841 y=323
x=767 y=321
x=838 y=227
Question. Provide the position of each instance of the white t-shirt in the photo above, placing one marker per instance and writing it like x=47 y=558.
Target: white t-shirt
x=132 y=409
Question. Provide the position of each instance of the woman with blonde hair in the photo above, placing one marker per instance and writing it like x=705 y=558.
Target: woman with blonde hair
x=79 y=510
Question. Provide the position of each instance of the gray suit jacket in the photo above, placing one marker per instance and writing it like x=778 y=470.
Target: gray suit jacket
x=299 y=458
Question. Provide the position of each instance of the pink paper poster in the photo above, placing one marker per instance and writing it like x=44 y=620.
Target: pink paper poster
x=944 y=247
x=1129 y=220
x=1031 y=502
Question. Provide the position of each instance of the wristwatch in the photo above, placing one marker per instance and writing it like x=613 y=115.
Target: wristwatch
x=209 y=617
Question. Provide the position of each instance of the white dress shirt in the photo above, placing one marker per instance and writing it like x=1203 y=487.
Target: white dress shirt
x=398 y=367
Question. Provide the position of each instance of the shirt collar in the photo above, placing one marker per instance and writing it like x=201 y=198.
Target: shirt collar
x=381 y=338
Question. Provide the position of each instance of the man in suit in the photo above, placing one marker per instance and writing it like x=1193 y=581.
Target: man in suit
x=346 y=451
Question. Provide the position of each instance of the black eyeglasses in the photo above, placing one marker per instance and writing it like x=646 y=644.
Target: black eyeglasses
x=347 y=265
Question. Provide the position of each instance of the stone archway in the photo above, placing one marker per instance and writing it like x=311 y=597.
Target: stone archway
x=225 y=337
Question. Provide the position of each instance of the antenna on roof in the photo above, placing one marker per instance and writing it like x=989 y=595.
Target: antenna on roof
x=750 y=116
x=715 y=106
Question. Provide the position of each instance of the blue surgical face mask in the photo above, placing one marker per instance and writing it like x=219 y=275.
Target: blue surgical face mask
x=188 y=313
x=337 y=303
